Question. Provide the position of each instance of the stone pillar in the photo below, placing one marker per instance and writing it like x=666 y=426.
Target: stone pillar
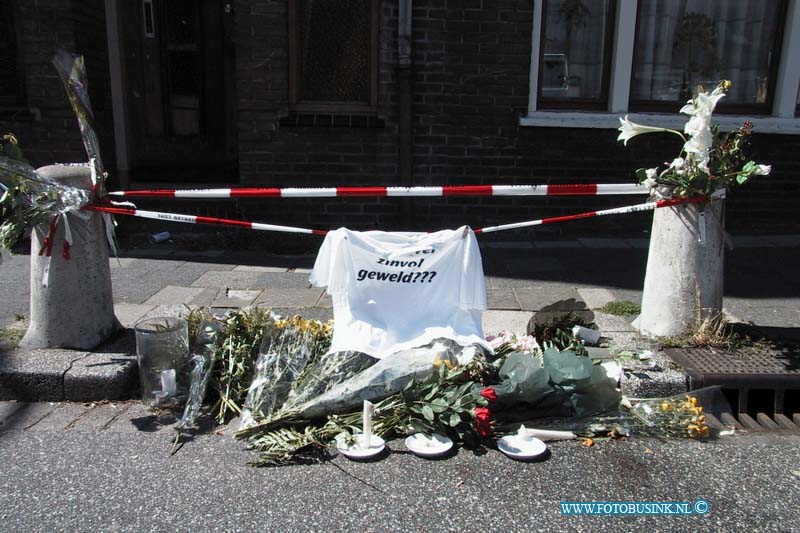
x=684 y=280
x=76 y=308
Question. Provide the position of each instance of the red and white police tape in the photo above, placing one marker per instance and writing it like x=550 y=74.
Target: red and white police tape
x=591 y=189
x=194 y=219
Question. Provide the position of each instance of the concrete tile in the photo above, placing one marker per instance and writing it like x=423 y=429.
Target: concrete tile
x=325 y=301
x=533 y=265
x=750 y=241
x=300 y=270
x=203 y=253
x=596 y=298
x=558 y=244
x=495 y=321
x=612 y=324
x=249 y=268
x=26 y=415
x=784 y=241
x=137 y=418
x=235 y=297
x=206 y=297
x=174 y=295
x=121 y=262
x=98 y=417
x=638 y=243
x=502 y=299
x=534 y=299
x=252 y=280
x=510 y=245
x=589 y=242
x=289 y=297
x=60 y=417
x=130 y=314
x=310 y=313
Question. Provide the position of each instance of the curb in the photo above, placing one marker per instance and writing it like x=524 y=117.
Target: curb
x=56 y=374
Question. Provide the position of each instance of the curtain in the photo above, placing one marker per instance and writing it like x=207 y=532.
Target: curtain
x=683 y=43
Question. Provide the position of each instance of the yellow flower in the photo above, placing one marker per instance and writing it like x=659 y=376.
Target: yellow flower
x=666 y=407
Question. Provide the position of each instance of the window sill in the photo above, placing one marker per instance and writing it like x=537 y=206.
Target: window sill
x=603 y=120
x=312 y=120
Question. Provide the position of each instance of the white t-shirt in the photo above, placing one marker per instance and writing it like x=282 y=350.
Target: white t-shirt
x=395 y=291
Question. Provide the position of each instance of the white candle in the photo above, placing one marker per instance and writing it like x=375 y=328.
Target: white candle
x=366 y=438
x=168 y=385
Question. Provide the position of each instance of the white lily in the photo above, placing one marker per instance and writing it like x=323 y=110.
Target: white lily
x=629 y=130
x=652 y=174
x=704 y=103
x=763 y=170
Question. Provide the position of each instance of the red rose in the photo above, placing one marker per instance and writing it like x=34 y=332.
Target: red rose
x=489 y=394
x=483 y=421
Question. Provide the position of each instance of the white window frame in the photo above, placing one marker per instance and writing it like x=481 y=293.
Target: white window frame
x=781 y=120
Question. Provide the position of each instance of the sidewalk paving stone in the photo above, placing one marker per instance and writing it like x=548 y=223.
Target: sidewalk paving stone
x=174 y=295
x=510 y=245
x=206 y=297
x=25 y=415
x=289 y=297
x=253 y=268
x=252 y=280
x=533 y=265
x=502 y=299
x=638 y=243
x=235 y=298
x=595 y=243
x=137 y=418
x=533 y=299
x=325 y=301
x=130 y=314
x=595 y=298
x=544 y=244
x=121 y=262
x=784 y=240
x=100 y=416
x=62 y=415
x=495 y=321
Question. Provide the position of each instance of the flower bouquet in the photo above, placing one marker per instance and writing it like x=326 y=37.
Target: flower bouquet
x=708 y=160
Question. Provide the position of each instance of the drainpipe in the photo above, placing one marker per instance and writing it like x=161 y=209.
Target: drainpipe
x=405 y=81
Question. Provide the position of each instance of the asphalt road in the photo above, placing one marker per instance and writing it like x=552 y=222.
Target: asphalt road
x=119 y=478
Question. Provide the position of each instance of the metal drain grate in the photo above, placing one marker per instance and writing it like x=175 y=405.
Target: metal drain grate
x=754 y=381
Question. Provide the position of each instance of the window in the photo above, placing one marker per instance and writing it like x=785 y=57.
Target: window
x=11 y=81
x=576 y=53
x=333 y=56
x=594 y=61
x=681 y=44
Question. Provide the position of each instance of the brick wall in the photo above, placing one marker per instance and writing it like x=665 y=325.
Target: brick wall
x=50 y=133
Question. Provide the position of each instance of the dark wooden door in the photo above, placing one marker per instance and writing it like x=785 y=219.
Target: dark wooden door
x=178 y=73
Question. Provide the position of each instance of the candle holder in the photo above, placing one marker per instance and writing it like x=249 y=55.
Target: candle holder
x=162 y=350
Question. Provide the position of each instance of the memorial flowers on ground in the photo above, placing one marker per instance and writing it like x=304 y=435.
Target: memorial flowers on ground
x=709 y=159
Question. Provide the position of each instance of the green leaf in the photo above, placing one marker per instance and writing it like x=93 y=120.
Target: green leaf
x=641 y=174
x=454 y=420
x=427 y=412
x=742 y=178
x=439 y=405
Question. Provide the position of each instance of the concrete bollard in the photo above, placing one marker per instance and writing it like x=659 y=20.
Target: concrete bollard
x=76 y=308
x=684 y=278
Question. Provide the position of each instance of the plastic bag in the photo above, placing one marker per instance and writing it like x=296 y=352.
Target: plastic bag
x=206 y=343
x=281 y=360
